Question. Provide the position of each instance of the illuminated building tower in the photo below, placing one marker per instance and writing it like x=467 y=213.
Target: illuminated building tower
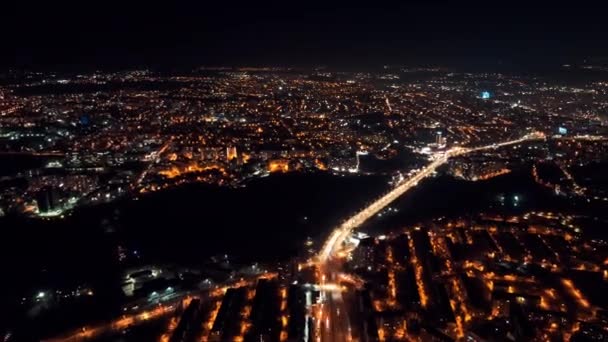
x=231 y=153
x=438 y=138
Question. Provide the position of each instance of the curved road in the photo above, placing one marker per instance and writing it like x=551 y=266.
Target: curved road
x=340 y=233
x=336 y=327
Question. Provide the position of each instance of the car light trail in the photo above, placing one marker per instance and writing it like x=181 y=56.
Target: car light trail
x=340 y=233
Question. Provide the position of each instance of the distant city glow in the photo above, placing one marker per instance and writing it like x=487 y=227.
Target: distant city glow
x=108 y=147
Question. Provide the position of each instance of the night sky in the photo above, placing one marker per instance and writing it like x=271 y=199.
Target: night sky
x=94 y=33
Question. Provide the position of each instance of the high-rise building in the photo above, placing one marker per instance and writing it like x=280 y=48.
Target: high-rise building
x=231 y=153
x=439 y=139
x=47 y=200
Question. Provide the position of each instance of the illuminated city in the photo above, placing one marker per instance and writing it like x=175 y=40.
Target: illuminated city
x=233 y=192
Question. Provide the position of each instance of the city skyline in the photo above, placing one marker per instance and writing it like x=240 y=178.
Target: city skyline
x=303 y=172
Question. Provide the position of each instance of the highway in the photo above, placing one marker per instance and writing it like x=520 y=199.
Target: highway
x=332 y=318
x=153 y=160
x=119 y=324
x=340 y=233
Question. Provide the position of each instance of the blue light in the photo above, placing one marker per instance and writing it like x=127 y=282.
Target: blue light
x=485 y=95
x=85 y=120
x=562 y=130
